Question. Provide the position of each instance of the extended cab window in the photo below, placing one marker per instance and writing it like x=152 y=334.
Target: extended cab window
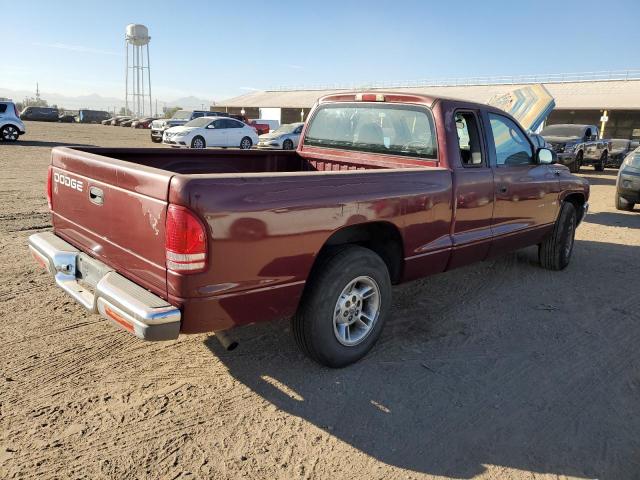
x=469 y=139
x=512 y=145
x=380 y=128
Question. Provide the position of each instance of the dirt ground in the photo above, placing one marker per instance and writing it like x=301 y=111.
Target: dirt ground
x=501 y=370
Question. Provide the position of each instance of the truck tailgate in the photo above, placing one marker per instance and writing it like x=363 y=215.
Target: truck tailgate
x=114 y=211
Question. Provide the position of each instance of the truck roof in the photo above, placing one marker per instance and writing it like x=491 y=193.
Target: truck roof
x=396 y=97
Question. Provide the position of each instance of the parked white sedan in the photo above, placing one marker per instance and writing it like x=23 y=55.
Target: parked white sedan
x=206 y=132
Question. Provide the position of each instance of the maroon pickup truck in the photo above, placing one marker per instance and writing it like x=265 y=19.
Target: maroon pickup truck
x=383 y=189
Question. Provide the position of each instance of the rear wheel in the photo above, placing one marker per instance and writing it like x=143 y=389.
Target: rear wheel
x=198 y=142
x=156 y=140
x=344 y=307
x=245 y=143
x=623 y=204
x=9 y=133
x=555 y=251
x=599 y=167
x=287 y=145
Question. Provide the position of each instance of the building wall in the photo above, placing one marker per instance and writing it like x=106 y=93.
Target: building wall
x=621 y=123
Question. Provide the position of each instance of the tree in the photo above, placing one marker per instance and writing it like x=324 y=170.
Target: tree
x=124 y=111
x=169 y=111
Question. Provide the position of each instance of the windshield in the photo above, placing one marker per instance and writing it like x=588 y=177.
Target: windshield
x=287 y=128
x=617 y=143
x=182 y=115
x=563 y=131
x=386 y=128
x=198 y=122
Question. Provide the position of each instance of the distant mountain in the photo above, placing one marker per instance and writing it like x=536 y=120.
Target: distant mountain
x=98 y=102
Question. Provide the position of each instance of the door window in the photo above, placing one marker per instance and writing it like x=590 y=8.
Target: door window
x=219 y=124
x=469 y=139
x=3 y=107
x=512 y=146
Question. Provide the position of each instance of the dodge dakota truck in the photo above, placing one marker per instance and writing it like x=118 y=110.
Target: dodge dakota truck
x=383 y=188
x=578 y=145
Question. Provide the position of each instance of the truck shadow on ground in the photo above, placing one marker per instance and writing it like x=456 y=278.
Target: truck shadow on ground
x=608 y=177
x=614 y=219
x=499 y=363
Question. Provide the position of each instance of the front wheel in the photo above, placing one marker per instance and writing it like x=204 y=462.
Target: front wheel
x=555 y=251
x=287 y=145
x=623 y=204
x=344 y=307
x=245 y=143
x=577 y=163
x=9 y=133
x=198 y=142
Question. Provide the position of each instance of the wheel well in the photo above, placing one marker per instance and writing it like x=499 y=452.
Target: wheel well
x=382 y=237
x=577 y=199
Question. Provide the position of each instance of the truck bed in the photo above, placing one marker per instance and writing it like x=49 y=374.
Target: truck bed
x=188 y=162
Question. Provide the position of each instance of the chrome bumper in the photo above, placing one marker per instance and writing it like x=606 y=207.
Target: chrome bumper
x=100 y=289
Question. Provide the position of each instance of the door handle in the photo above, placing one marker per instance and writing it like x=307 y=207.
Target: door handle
x=96 y=195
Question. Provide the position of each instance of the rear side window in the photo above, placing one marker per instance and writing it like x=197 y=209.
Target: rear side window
x=3 y=107
x=377 y=128
x=512 y=146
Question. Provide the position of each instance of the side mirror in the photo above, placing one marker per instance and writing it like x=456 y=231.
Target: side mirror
x=545 y=156
x=211 y=126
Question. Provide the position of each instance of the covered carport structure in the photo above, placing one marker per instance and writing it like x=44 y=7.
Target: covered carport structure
x=610 y=99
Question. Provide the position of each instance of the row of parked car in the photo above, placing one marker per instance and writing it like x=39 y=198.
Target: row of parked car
x=202 y=129
x=129 y=121
x=52 y=114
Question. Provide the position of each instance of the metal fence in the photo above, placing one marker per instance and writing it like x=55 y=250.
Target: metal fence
x=601 y=76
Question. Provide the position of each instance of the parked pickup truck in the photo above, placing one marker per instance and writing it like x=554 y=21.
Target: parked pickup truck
x=578 y=145
x=384 y=188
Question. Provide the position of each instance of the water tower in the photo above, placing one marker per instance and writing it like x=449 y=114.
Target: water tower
x=138 y=72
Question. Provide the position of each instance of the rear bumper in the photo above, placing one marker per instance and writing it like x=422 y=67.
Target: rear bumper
x=101 y=290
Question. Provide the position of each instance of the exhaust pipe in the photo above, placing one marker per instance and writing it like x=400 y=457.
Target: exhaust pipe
x=225 y=340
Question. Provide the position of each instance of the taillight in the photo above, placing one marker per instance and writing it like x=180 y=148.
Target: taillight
x=50 y=188
x=369 y=97
x=15 y=109
x=185 y=240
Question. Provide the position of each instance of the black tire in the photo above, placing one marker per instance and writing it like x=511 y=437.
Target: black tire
x=156 y=140
x=246 y=143
x=287 y=145
x=314 y=324
x=555 y=251
x=599 y=167
x=198 y=142
x=9 y=133
x=577 y=163
x=623 y=204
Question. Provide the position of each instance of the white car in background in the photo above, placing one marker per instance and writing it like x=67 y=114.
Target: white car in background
x=284 y=138
x=206 y=132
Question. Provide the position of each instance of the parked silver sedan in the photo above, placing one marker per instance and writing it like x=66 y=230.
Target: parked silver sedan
x=284 y=138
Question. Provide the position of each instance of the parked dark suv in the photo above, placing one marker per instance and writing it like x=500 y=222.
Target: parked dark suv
x=41 y=114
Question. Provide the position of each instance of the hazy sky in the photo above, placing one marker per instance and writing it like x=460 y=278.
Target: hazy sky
x=219 y=49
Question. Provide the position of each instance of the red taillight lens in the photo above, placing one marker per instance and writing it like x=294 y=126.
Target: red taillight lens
x=50 y=188
x=369 y=97
x=185 y=240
